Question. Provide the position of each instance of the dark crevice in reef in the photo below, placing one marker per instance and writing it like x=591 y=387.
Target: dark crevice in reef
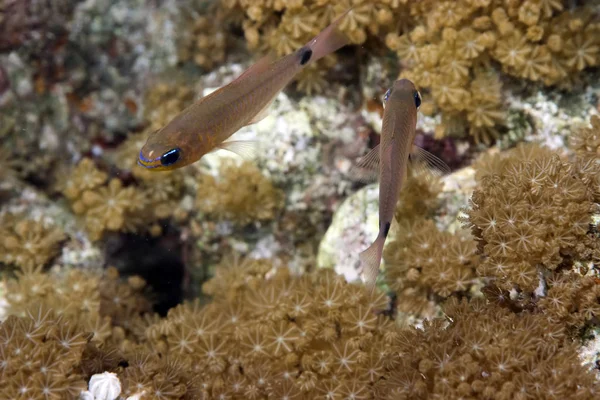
x=157 y=260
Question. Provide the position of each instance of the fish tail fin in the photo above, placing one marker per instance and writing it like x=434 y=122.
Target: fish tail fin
x=329 y=40
x=370 y=260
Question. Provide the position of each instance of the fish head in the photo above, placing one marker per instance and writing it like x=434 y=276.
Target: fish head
x=405 y=91
x=164 y=152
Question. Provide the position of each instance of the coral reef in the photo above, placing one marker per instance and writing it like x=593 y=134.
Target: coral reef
x=451 y=43
x=83 y=83
x=109 y=205
x=282 y=27
x=205 y=39
x=40 y=357
x=484 y=352
x=95 y=303
x=424 y=266
x=27 y=243
x=269 y=333
x=531 y=216
x=586 y=142
x=239 y=193
x=449 y=48
x=280 y=336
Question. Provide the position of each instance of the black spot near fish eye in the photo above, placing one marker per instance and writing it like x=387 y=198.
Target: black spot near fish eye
x=305 y=55
x=417 y=97
x=170 y=157
x=386 y=229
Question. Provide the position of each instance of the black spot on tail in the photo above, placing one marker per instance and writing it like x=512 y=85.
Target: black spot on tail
x=305 y=55
x=386 y=229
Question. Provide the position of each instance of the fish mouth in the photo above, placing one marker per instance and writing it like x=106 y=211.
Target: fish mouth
x=146 y=162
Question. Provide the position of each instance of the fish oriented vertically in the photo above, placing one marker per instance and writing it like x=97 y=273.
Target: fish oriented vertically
x=205 y=125
x=389 y=161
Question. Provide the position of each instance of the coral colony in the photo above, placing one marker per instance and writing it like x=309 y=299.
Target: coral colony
x=497 y=301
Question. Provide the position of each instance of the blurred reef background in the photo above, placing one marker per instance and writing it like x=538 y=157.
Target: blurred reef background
x=238 y=279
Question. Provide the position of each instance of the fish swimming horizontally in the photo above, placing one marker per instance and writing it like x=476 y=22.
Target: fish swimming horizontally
x=389 y=160
x=206 y=125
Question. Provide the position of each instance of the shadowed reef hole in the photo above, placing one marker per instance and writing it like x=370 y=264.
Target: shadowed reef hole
x=157 y=260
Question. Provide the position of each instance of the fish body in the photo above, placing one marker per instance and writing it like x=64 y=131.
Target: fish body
x=390 y=160
x=206 y=124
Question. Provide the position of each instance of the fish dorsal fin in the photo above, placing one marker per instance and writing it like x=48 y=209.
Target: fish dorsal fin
x=422 y=160
x=367 y=168
x=244 y=148
x=262 y=114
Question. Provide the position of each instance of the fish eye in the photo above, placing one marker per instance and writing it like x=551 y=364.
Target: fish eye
x=386 y=96
x=170 y=157
x=417 y=97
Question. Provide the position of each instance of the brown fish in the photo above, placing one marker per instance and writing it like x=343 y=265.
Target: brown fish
x=205 y=125
x=389 y=160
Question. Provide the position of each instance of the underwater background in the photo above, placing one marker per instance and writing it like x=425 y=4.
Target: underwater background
x=238 y=278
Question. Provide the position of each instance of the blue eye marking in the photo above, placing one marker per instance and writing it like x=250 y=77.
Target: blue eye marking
x=386 y=96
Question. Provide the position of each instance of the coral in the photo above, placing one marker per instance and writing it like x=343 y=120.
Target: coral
x=444 y=45
x=283 y=27
x=420 y=192
x=109 y=205
x=27 y=243
x=485 y=351
x=240 y=193
x=572 y=300
x=60 y=331
x=95 y=303
x=586 y=140
x=40 y=355
x=205 y=38
x=105 y=386
x=532 y=215
x=424 y=266
x=451 y=42
x=267 y=333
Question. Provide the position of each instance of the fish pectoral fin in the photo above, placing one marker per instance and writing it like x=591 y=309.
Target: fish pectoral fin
x=367 y=168
x=262 y=114
x=421 y=160
x=246 y=149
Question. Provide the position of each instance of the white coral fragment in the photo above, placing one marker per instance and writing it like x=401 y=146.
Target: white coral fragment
x=136 y=396
x=105 y=386
x=87 y=395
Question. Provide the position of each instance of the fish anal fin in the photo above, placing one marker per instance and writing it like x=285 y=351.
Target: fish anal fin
x=262 y=114
x=423 y=161
x=244 y=148
x=367 y=168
